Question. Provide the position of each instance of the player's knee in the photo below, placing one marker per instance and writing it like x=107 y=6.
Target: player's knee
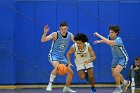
x=82 y=77
x=70 y=72
x=91 y=77
x=116 y=74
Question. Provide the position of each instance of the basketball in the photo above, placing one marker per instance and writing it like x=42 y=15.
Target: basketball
x=62 y=69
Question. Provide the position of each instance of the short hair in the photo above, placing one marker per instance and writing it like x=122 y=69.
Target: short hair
x=115 y=28
x=81 y=37
x=63 y=23
x=137 y=59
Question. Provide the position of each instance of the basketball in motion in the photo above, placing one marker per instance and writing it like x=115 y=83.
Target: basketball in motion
x=62 y=69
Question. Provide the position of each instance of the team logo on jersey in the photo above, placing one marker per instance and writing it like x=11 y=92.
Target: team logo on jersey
x=82 y=54
x=63 y=44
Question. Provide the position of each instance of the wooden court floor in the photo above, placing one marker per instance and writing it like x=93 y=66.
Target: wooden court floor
x=79 y=90
x=58 y=89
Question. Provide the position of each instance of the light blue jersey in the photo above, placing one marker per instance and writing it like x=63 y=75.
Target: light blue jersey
x=59 y=47
x=119 y=53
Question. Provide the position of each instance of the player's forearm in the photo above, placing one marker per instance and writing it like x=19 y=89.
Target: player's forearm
x=104 y=39
x=92 y=59
x=101 y=41
x=68 y=58
x=43 y=39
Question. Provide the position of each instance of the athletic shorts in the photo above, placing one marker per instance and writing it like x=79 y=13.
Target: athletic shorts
x=54 y=57
x=82 y=66
x=119 y=61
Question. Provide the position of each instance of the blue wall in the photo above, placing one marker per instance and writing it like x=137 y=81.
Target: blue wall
x=7 y=63
x=24 y=59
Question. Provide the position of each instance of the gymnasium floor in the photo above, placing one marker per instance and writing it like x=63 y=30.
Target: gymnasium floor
x=58 y=89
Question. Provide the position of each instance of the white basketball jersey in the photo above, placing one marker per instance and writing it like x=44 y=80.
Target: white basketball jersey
x=82 y=55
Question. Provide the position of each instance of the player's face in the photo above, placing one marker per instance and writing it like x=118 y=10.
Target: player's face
x=80 y=44
x=137 y=63
x=112 y=34
x=63 y=30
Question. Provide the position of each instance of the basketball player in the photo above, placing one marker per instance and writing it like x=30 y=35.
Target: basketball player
x=135 y=68
x=120 y=57
x=84 y=56
x=60 y=43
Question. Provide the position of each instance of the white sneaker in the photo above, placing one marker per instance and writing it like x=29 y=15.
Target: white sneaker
x=118 y=90
x=68 y=90
x=125 y=86
x=49 y=87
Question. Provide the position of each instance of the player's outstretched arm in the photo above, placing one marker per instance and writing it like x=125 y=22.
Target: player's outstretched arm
x=98 y=41
x=107 y=41
x=49 y=37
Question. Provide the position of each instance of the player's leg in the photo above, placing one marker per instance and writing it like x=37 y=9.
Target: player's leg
x=69 y=77
x=66 y=89
x=81 y=70
x=91 y=78
x=132 y=81
x=116 y=74
x=52 y=59
x=81 y=74
x=132 y=77
x=126 y=83
x=52 y=75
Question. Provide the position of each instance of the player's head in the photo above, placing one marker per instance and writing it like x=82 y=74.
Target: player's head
x=63 y=28
x=114 y=31
x=80 y=39
x=137 y=61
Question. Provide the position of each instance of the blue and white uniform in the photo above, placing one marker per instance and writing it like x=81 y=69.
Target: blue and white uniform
x=119 y=53
x=59 y=47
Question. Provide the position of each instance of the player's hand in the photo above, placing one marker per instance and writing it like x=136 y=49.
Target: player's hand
x=96 y=34
x=46 y=29
x=97 y=41
x=85 y=62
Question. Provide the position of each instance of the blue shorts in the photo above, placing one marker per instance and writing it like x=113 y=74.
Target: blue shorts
x=54 y=57
x=119 y=61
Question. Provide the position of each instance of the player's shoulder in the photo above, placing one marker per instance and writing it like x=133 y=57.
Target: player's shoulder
x=86 y=43
x=118 y=38
x=70 y=33
x=75 y=44
x=54 y=34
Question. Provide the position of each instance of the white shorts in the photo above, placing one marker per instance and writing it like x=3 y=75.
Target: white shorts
x=83 y=66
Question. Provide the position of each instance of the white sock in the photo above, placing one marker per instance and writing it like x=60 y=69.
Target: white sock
x=133 y=80
x=50 y=83
x=52 y=77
